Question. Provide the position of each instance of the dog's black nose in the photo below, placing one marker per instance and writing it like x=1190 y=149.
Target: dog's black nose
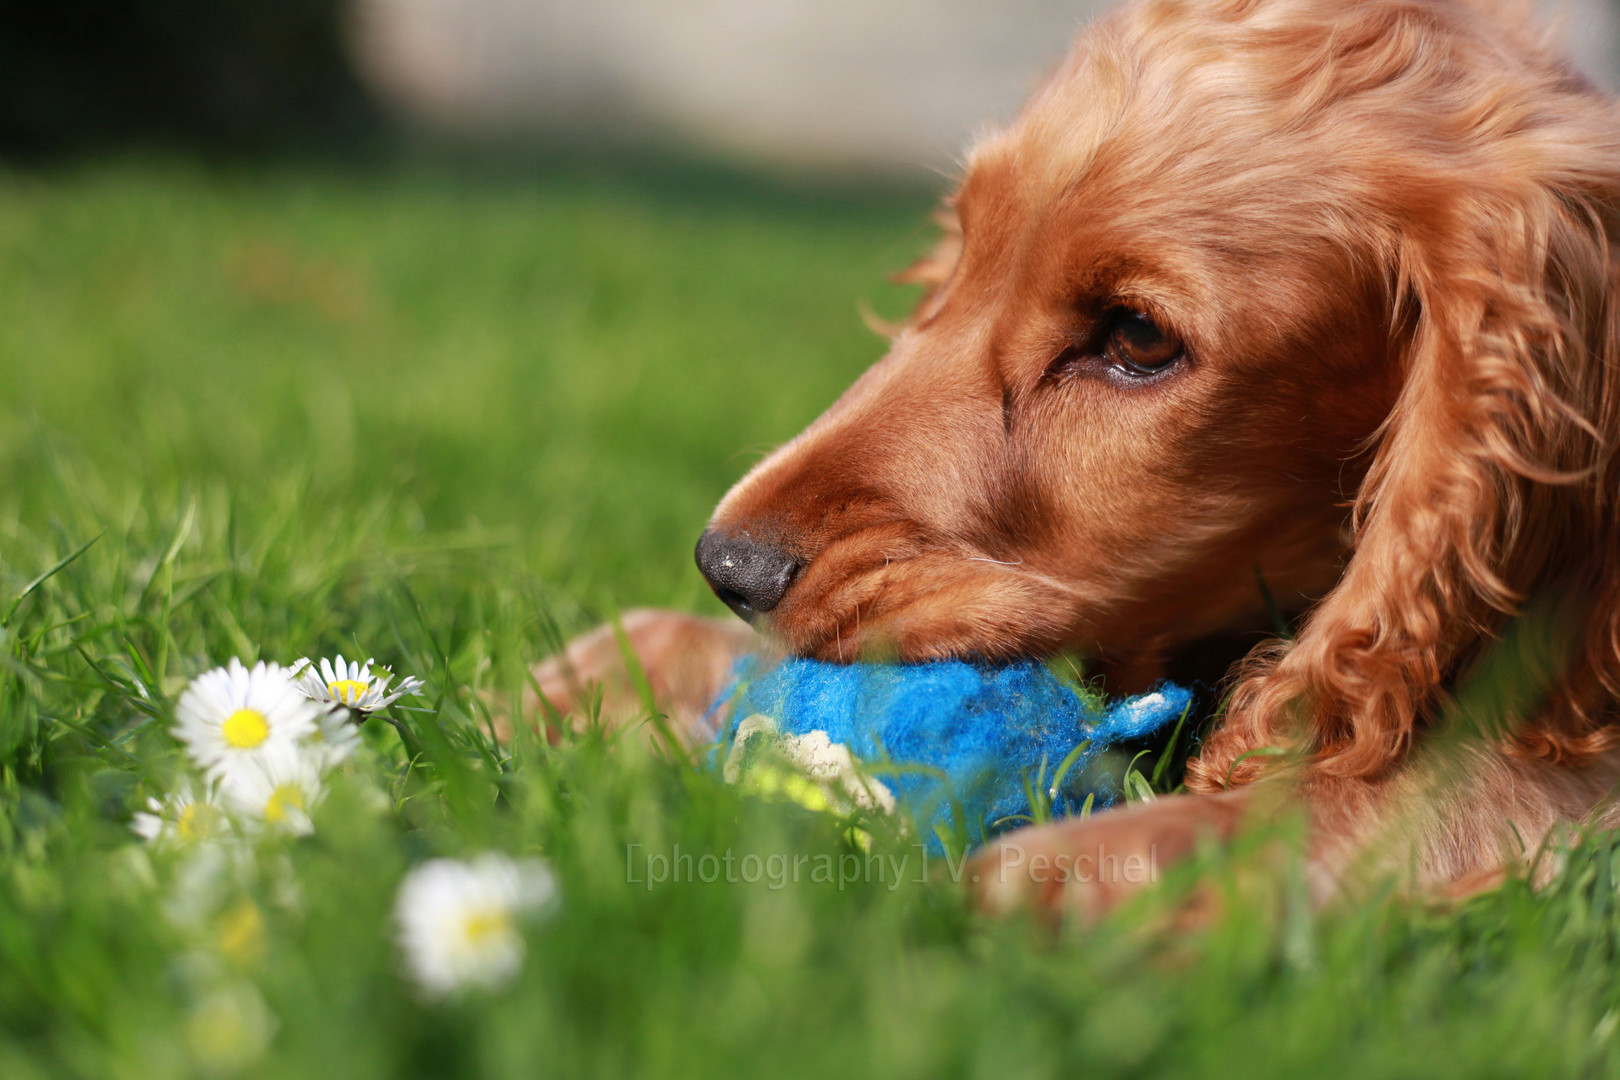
x=747 y=576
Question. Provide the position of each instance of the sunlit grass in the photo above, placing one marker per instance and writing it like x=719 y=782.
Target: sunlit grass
x=445 y=421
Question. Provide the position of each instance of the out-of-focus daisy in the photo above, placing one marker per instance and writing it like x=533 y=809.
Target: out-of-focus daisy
x=229 y=1027
x=240 y=934
x=233 y=714
x=353 y=685
x=458 y=920
x=335 y=738
x=181 y=816
x=204 y=879
x=278 y=789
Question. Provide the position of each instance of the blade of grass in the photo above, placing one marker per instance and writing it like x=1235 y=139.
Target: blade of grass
x=1259 y=751
x=1064 y=766
x=57 y=568
x=643 y=686
x=1278 y=623
x=1169 y=749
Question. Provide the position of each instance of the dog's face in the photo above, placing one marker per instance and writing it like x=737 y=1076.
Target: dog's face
x=1151 y=351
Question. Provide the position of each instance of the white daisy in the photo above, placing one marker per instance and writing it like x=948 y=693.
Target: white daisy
x=232 y=714
x=181 y=816
x=458 y=920
x=277 y=789
x=353 y=685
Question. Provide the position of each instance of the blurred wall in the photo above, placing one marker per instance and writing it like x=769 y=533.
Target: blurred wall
x=885 y=83
x=840 y=81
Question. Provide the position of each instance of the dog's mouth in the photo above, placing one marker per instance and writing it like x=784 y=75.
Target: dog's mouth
x=942 y=605
x=884 y=595
x=889 y=592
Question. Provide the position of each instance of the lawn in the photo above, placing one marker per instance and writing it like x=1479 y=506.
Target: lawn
x=442 y=416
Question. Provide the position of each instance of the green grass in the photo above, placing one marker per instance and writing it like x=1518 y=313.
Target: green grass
x=443 y=418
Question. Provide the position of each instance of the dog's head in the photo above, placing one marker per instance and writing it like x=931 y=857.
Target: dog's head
x=1248 y=285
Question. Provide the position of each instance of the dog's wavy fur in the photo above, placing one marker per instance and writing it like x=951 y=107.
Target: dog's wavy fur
x=1494 y=477
x=1385 y=230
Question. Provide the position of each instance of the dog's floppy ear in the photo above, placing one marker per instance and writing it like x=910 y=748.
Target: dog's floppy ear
x=1493 y=480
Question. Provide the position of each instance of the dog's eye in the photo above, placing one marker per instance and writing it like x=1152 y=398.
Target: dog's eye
x=1135 y=344
x=1124 y=339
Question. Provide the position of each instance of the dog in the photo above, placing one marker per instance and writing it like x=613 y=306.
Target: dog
x=1319 y=290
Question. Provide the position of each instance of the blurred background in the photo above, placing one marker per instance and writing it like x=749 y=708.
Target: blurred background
x=878 y=84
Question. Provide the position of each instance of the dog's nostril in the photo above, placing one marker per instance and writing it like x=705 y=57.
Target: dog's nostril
x=749 y=577
x=742 y=608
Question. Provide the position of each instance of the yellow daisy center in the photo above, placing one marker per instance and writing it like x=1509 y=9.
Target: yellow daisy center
x=241 y=933
x=347 y=691
x=285 y=795
x=194 y=822
x=480 y=926
x=246 y=728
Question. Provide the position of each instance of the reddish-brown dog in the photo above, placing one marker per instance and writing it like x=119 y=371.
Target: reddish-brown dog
x=1319 y=287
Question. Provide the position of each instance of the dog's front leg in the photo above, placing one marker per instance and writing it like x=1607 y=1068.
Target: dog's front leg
x=1350 y=829
x=1088 y=866
x=1447 y=825
x=687 y=660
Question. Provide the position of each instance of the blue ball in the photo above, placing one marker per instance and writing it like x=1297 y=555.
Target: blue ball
x=932 y=738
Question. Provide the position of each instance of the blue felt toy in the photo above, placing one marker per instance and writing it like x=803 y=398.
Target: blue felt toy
x=925 y=736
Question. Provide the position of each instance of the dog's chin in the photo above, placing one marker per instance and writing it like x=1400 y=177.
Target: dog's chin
x=927 y=609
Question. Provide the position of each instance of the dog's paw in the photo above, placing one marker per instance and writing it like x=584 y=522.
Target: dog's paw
x=1086 y=867
x=687 y=660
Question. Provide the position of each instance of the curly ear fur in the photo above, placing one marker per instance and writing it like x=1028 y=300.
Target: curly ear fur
x=1494 y=480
